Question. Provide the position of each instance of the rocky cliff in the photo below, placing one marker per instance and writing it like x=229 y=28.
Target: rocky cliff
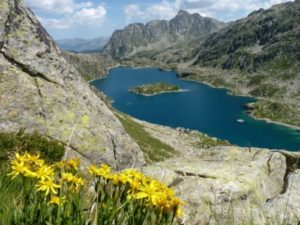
x=158 y=35
x=40 y=91
x=90 y=66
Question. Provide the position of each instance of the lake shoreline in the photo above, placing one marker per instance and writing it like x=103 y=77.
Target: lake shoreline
x=250 y=112
x=230 y=92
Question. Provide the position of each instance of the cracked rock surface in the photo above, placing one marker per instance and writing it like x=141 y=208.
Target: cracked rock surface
x=40 y=91
x=220 y=182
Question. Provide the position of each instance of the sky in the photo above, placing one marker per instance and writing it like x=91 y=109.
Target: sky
x=95 y=18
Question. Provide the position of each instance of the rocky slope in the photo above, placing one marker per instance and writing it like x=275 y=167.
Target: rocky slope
x=90 y=66
x=94 y=45
x=158 y=35
x=40 y=91
x=265 y=36
x=230 y=185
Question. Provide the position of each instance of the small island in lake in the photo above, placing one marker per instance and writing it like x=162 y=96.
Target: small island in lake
x=154 y=89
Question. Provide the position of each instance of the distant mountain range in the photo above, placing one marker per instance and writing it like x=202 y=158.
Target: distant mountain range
x=83 y=45
x=158 y=35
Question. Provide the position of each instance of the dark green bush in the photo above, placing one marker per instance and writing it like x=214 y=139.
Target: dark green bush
x=50 y=150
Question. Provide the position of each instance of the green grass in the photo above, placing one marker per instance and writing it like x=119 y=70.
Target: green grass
x=265 y=90
x=208 y=142
x=276 y=111
x=153 y=148
x=50 y=150
x=9 y=195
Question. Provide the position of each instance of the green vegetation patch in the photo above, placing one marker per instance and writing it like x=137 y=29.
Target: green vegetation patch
x=50 y=150
x=152 y=89
x=208 y=142
x=276 y=111
x=153 y=148
x=256 y=80
x=265 y=90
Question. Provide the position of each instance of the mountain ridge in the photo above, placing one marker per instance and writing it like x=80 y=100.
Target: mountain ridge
x=80 y=45
x=157 y=35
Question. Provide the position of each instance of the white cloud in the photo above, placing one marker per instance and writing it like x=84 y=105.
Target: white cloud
x=164 y=10
x=167 y=9
x=133 y=11
x=90 y=16
x=196 y=4
x=57 y=6
x=68 y=13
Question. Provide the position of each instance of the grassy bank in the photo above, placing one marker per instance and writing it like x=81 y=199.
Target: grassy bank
x=153 y=148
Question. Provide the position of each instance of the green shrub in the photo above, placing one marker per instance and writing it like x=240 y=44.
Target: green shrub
x=50 y=150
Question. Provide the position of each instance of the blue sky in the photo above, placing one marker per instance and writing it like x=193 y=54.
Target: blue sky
x=94 y=18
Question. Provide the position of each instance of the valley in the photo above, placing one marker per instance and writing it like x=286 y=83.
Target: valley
x=77 y=147
x=255 y=56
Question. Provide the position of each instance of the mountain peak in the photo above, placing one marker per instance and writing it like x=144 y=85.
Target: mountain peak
x=182 y=12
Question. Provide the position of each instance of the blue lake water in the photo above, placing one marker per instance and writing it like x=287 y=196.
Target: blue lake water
x=209 y=110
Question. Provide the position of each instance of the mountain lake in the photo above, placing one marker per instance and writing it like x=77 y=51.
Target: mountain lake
x=200 y=107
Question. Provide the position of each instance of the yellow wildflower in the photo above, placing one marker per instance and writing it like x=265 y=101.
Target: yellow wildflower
x=47 y=186
x=34 y=159
x=119 y=179
x=150 y=192
x=55 y=200
x=179 y=212
x=92 y=170
x=106 y=168
x=59 y=164
x=45 y=172
x=78 y=182
x=73 y=163
x=18 y=167
x=21 y=158
x=103 y=171
x=67 y=177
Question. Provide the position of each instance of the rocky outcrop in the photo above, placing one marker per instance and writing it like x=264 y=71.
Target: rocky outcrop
x=158 y=35
x=40 y=91
x=286 y=207
x=231 y=185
